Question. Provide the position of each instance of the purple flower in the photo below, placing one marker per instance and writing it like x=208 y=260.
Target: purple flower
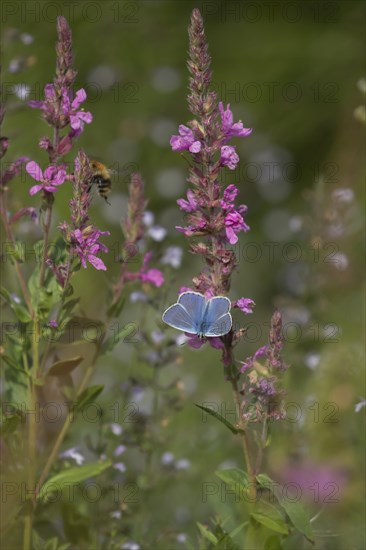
x=185 y=141
x=70 y=109
x=85 y=245
x=245 y=305
x=50 y=178
x=234 y=223
x=227 y=124
x=50 y=95
x=153 y=276
x=229 y=157
x=230 y=193
x=53 y=323
x=195 y=342
x=249 y=362
x=189 y=205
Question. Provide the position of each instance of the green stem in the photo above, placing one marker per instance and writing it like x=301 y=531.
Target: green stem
x=32 y=436
x=245 y=444
x=46 y=232
x=69 y=420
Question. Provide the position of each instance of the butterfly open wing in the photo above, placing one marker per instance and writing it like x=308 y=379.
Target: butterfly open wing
x=187 y=313
x=217 y=319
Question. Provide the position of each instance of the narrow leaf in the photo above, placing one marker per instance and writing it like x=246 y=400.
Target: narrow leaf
x=88 y=396
x=278 y=526
x=206 y=533
x=220 y=418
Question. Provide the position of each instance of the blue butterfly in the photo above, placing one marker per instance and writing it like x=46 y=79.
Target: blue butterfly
x=196 y=315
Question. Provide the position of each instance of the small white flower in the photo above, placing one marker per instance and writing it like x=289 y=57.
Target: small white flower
x=26 y=38
x=74 y=454
x=138 y=297
x=182 y=537
x=167 y=459
x=117 y=514
x=157 y=233
x=312 y=360
x=359 y=406
x=173 y=256
x=22 y=91
x=157 y=336
x=148 y=218
x=130 y=545
x=119 y=466
x=182 y=464
x=116 y=429
x=119 y=450
x=343 y=195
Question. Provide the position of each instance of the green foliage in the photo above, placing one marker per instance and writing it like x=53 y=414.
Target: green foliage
x=71 y=476
x=219 y=417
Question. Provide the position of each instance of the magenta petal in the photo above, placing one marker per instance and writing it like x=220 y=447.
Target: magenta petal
x=195 y=342
x=35 y=104
x=35 y=189
x=85 y=116
x=96 y=262
x=216 y=343
x=75 y=122
x=34 y=170
x=60 y=177
x=50 y=172
x=80 y=97
x=195 y=147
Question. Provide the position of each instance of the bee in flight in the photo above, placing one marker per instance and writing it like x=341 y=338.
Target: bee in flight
x=101 y=178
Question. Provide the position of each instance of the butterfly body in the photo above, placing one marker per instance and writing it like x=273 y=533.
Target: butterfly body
x=195 y=315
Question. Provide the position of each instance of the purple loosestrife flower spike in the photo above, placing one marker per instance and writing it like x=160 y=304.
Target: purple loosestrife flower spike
x=82 y=237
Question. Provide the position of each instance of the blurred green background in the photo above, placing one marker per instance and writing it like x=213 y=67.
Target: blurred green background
x=292 y=71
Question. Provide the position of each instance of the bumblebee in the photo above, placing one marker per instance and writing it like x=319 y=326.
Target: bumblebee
x=101 y=178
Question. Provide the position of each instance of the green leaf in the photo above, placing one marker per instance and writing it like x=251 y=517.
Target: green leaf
x=62 y=368
x=88 y=396
x=71 y=476
x=237 y=479
x=117 y=337
x=237 y=530
x=206 y=533
x=295 y=511
x=82 y=329
x=115 y=309
x=226 y=543
x=299 y=517
x=20 y=311
x=11 y=363
x=273 y=543
x=9 y=424
x=67 y=310
x=221 y=419
x=279 y=526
